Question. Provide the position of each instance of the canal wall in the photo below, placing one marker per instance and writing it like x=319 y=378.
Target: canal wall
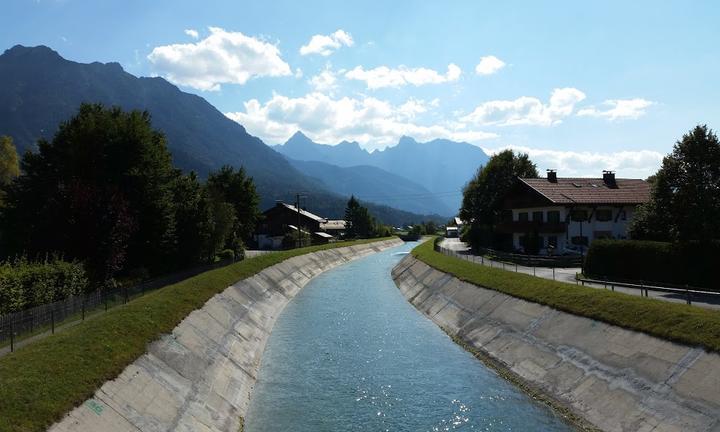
x=616 y=379
x=199 y=378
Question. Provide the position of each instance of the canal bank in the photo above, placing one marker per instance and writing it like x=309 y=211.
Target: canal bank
x=616 y=379
x=199 y=377
x=349 y=354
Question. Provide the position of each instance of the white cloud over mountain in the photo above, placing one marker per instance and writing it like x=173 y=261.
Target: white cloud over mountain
x=527 y=110
x=325 y=45
x=489 y=65
x=223 y=57
x=370 y=121
x=630 y=164
x=618 y=109
x=384 y=76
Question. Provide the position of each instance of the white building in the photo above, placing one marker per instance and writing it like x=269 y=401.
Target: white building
x=561 y=214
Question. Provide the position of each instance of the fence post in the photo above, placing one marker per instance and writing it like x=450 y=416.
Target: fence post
x=482 y=259
x=515 y=267
x=52 y=320
x=687 y=294
x=12 y=335
x=83 y=307
x=126 y=295
x=533 y=270
x=553 y=273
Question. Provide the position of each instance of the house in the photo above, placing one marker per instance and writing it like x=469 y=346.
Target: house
x=454 y=227
x=556 y=214
x=286 y=218
x=334 y=227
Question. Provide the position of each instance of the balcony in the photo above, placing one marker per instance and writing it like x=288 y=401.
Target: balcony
x=531 y=226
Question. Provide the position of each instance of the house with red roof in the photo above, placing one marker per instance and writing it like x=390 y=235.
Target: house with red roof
x=557 y=215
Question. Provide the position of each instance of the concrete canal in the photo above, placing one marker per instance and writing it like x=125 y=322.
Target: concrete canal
x=349 y=353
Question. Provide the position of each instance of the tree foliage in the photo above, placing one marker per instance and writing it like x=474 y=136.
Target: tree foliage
x=9 y=163
x=685 y=198
x=360 y=223
x=483 y=196
x=104 y=191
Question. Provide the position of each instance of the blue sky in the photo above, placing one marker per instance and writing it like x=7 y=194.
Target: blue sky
x=581 y=87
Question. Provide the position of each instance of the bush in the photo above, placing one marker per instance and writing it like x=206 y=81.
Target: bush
x=227 y=254
x=25 y=284
x=690 y=264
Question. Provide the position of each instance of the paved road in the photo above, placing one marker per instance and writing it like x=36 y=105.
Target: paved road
x=568 y=275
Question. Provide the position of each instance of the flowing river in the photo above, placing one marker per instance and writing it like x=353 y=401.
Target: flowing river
x=349 y=353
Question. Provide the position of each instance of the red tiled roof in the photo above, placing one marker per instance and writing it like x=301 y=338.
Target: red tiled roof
x=590 y=190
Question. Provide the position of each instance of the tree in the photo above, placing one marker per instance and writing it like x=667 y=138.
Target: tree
x=483 y=196
x=9 y=164
x=237 y=189
x=359 y=221
x=685 y=198
x=100 y=191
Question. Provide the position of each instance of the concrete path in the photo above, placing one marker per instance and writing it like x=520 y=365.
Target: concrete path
x=462 y=251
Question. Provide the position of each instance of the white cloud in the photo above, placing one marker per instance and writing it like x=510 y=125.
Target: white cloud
x=192 y=33
x=626 y=164
x=222 y=58
x=527 y=110
x=618 y=109
x=372 y=122
x=327 y=44
x=325 y=81
x=489 y=65
x=384 y=76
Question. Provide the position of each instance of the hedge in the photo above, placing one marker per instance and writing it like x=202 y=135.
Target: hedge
x=24 y=284
x=692 y=264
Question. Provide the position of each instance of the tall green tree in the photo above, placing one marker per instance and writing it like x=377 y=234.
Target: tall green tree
x=9 y=163
x=238 y=189
x=359 y=222
x=100 y=191
x=483 y=196
x=685 y=198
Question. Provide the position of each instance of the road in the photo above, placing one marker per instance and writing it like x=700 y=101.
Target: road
x=462 y=250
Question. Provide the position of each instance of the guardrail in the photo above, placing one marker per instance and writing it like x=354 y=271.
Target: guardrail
x=527 y=260
x=688 y=292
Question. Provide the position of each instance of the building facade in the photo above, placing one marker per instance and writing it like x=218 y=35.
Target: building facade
x=286 y=218
x=559 y=215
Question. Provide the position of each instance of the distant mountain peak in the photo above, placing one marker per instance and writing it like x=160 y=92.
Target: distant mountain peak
x=40 y=50
x=406 y=140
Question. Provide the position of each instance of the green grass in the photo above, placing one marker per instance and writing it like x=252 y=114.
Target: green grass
x=681 y=323
x=42 y=381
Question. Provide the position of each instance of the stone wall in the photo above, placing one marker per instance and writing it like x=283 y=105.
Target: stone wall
x=616 y=379
x=200 y=377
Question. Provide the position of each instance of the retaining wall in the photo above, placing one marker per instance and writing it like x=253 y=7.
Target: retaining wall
x=199 y=378
x=616 y=379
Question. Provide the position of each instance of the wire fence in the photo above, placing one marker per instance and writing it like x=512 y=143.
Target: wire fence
x=46 y=318
x=687 y=294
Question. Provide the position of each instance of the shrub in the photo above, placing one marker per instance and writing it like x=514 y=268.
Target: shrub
x=656 y=262
x=227 y=254
x=24 y=284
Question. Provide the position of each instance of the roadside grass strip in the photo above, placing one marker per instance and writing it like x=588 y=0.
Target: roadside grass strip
x=680 y=323
x=42 y=381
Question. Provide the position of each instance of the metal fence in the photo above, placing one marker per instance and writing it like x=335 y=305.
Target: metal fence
x=687 y=294
x=48 y=317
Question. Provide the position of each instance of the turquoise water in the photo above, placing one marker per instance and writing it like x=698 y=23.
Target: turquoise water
x=349 y=353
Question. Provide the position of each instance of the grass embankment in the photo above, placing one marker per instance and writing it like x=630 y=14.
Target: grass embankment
x=676 y=322
x=41 y=382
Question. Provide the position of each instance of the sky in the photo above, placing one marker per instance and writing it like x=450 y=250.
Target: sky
x=579 y=86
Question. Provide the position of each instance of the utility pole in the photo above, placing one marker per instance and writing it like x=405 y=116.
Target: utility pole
x=297 y=206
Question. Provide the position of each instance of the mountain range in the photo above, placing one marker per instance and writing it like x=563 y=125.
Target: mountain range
x=39 y=89
x=440 y=166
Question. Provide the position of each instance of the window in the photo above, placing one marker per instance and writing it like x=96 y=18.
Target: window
x=523 y=217
x=603 y=215
x=579 y=215
x=623 y=215
x=580 y=240
x=553 y=216
x=552 y=241
x=537 y=216
x=522 y=241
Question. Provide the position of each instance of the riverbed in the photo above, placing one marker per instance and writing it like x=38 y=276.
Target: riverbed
x=349 y=353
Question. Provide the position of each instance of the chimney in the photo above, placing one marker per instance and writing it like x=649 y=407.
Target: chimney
x=552 y=176
x=609 y=178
